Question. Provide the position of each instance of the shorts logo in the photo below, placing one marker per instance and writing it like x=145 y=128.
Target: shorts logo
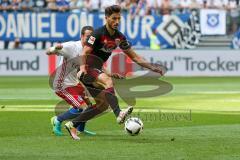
x=80 y=99
x=91 y=40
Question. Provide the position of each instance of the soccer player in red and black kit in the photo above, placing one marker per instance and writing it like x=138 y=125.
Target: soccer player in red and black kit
x=98 y=48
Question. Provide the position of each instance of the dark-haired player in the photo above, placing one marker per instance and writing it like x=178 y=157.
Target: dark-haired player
x=98 y=48
x=67 y=86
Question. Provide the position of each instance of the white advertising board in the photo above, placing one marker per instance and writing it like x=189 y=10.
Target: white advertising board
x=193 y=62
x=178 y=62
x=23 y=62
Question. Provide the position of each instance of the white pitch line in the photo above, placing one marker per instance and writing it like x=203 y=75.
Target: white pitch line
x=136 y=111
x=28 y=106
x=27 y=98
x=206 y=92
x=25 y=110
x=214 y=92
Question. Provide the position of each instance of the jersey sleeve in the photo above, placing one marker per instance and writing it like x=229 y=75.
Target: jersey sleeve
x=67 y=49
x=93 y=39
x=124 y=43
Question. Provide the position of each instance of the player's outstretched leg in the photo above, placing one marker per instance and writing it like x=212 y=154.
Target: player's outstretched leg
x=111 y=98
x=72 y=130
x=123 y=114
x=81 y=128
x=113 y=102
x=89 y=113
x=56 y=122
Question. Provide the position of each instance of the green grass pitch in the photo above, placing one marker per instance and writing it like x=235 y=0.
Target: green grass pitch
x=198 y=120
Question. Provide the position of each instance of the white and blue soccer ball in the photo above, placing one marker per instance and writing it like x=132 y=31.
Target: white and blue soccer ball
x=133 y=126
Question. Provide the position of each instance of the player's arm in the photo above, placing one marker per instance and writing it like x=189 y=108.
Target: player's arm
x=142 y=62
x=62 y=49
x=54 y=50
x=86 y=51
x=90 y=43
x=125 y=46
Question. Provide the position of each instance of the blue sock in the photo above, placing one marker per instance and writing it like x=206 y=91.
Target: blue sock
x=81 y=126
x=70 y=114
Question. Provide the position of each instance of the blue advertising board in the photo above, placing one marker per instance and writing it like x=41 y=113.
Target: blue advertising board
x=61 y=27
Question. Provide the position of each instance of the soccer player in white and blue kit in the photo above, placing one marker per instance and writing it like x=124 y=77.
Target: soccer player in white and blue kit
x=66 y=84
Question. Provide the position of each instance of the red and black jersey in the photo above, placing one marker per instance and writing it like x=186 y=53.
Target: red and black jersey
x=103 y=44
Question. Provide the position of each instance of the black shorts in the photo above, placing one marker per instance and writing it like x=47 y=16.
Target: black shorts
x=94 y=72
x=89 y=78
x=93 y=90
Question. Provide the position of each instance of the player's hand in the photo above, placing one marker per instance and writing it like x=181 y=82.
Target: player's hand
x=159 y=69
x=117 y=76
x=58 y=46
x=54 y=49
x=83 y=69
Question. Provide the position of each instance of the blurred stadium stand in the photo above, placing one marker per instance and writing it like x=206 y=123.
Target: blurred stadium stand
x=135 y=8
x=213 y=42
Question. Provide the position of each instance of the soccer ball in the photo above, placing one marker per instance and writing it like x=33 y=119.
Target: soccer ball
x=133 y=126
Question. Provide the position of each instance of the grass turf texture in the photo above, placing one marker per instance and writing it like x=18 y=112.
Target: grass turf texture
x=211 y=132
